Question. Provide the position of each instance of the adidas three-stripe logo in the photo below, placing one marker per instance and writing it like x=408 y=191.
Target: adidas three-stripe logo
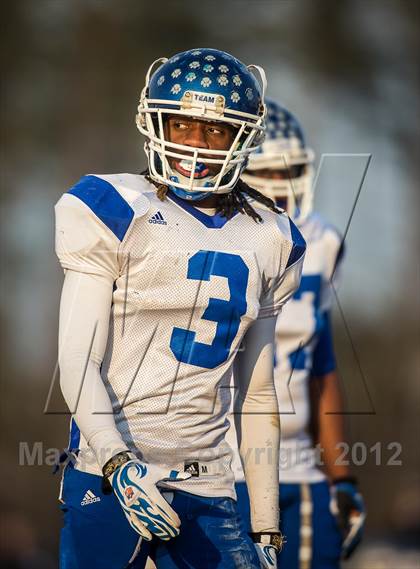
x=89 y=498
x=158 y=218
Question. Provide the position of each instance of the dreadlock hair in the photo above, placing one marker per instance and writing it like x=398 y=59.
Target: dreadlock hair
x=235 y=201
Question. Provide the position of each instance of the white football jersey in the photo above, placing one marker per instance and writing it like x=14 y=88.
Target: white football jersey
x=187 y=287
x=303 y=349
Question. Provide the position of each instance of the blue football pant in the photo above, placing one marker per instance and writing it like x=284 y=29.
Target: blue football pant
x=97 y=535
x=313 y=539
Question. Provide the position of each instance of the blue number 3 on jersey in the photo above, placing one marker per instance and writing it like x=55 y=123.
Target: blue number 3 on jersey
x=226 y=313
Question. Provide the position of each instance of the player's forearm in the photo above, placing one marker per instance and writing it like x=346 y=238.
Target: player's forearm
x=260 y=437
x=257 y=424
x=83 y=332
x=331 y=429
x=92 y=409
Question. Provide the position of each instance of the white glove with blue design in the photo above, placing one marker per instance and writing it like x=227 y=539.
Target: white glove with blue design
x=135 y=485
x=268 y=545
x=267 y=554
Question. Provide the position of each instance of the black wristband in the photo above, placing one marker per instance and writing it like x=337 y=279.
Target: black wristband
x=274 y=538
x=115 y=462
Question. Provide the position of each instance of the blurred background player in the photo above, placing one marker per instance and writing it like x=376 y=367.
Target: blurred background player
x=166 y=274
x=321 y=511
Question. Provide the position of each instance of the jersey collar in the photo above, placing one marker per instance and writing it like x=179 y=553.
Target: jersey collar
x=216 y=221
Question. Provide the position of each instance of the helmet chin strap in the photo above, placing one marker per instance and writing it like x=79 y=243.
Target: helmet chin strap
x=191 y=195
x=206 y=181
x=201 y=176
x=177 y=177
x=185 y=194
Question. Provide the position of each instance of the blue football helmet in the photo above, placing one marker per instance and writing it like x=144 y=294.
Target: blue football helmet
x=209 y=85
x=284 y=147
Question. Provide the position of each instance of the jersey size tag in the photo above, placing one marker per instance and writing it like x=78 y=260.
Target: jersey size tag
x=197 y=469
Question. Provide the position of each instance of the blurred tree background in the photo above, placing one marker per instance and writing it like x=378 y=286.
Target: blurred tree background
x=72 y=73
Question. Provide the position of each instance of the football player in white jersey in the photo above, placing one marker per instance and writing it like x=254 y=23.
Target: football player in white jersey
x=166 y=274
x=322 y=512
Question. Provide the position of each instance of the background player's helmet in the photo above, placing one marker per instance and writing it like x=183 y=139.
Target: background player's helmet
x=284 y=148
x=206 y=84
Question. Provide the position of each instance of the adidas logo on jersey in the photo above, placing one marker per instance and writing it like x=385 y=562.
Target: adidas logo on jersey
x=192 y=468
x=158 y=218
x=196 y=468
x=89 y=498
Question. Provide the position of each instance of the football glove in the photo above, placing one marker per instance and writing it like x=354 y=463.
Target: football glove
x=267 y=554
x=348 y=507
x=268 y=545
x=135 y=485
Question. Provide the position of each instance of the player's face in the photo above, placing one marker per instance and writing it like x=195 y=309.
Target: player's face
x=198 y=134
